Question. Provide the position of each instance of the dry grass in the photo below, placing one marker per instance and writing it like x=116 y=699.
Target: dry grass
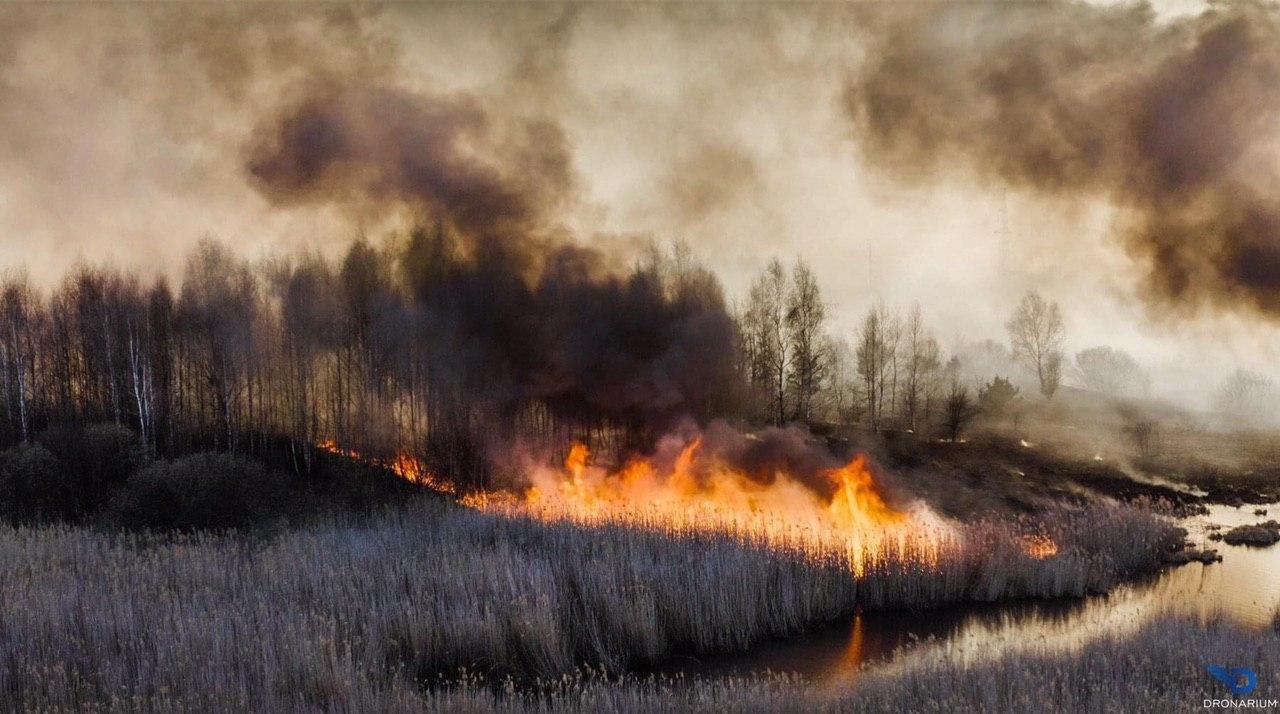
x=1159 y=669
x=366 y=616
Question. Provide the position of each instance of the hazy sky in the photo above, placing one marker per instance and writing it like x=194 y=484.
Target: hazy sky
x=125 y=131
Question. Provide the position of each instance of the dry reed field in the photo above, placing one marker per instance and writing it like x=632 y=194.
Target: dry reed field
x=1158 y=670
x=371 y=616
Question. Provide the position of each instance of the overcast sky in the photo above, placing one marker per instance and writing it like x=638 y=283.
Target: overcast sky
x=123 y=135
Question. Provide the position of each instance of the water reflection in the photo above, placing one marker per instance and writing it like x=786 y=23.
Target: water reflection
x=1243 y=587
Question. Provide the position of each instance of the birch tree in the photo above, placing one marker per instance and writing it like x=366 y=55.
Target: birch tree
x=1035 y=335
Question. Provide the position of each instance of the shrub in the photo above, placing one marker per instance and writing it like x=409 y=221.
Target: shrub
x=202 y=491
x=997 y=398
x=98 y=457
x=34 y=486
x=958 y=410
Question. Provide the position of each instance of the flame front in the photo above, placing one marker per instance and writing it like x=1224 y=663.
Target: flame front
x=857 y=504
x=403 y=465
x=699 y=493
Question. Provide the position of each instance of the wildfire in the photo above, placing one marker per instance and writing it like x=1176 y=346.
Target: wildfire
x=402 y=465
x=1039 y=546
x=697 y=492
x=857 y=504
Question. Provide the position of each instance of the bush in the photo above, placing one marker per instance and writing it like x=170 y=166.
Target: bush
x=98 y=457
x=34 y=486
x=997 y=398
x=201 y=492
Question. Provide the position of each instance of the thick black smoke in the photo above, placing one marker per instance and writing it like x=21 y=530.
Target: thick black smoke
x=1175 y=123
x=515 y=312
x=382 y=147
x=638 y=349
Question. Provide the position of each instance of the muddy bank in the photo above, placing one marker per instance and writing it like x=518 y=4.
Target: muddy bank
x=990 y=473
x=1259 y=535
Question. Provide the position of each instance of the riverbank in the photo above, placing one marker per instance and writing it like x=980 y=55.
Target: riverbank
x=993 y=472
x=1160 y=668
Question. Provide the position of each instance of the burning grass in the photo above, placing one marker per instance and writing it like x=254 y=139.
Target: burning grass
x=368 y=616
x=845 y=519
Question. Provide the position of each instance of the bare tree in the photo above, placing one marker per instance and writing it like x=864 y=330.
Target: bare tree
x=163 y=360
x=1111 y=371
x=1142 y=428
x=892 y=324
x=1035 y=336
x=809 y=359
x=921 y=361
x=842 y=386
x=767 y=333
x=874 y=353
x=960 y=410
x=19 y=309
x=1247 y=399
x=140 y=354
x=219 y=308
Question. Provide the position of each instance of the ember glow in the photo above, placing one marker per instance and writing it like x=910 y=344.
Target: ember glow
x=1039 y=546
x=403 y=465
x=699 y=493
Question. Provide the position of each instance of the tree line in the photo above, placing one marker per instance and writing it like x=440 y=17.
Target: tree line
x=428 y=348
x=891 y=372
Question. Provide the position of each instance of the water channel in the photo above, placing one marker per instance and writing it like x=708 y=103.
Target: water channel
x=1245 y=586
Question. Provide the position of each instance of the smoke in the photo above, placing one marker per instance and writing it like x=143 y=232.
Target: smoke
x=121 y=126
x=711 y=178
x=128 y=132
x=1171 y=122
x=517 y=310
x=133 y=131
x=370 y=147
x=637 y=349
x=762 y=456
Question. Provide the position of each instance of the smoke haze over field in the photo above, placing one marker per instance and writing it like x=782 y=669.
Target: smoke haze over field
x=1117 y=158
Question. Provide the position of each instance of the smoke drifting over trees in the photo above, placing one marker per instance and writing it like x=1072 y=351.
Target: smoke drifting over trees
x=1171 y=122
x=1111 y=371
x=321 y=123
x=448 y=350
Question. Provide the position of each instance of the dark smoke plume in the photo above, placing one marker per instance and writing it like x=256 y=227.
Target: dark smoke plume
x=638 y=349
x=515 y=312
x=374 y=147
x=1174 y=123
x=761 y=456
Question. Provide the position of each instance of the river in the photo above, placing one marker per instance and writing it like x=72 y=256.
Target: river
x=1245 y=586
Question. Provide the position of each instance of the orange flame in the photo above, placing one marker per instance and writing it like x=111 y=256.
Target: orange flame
x=1039 y=546
x=402 y=464
x=699 y=493
x=857 y=503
